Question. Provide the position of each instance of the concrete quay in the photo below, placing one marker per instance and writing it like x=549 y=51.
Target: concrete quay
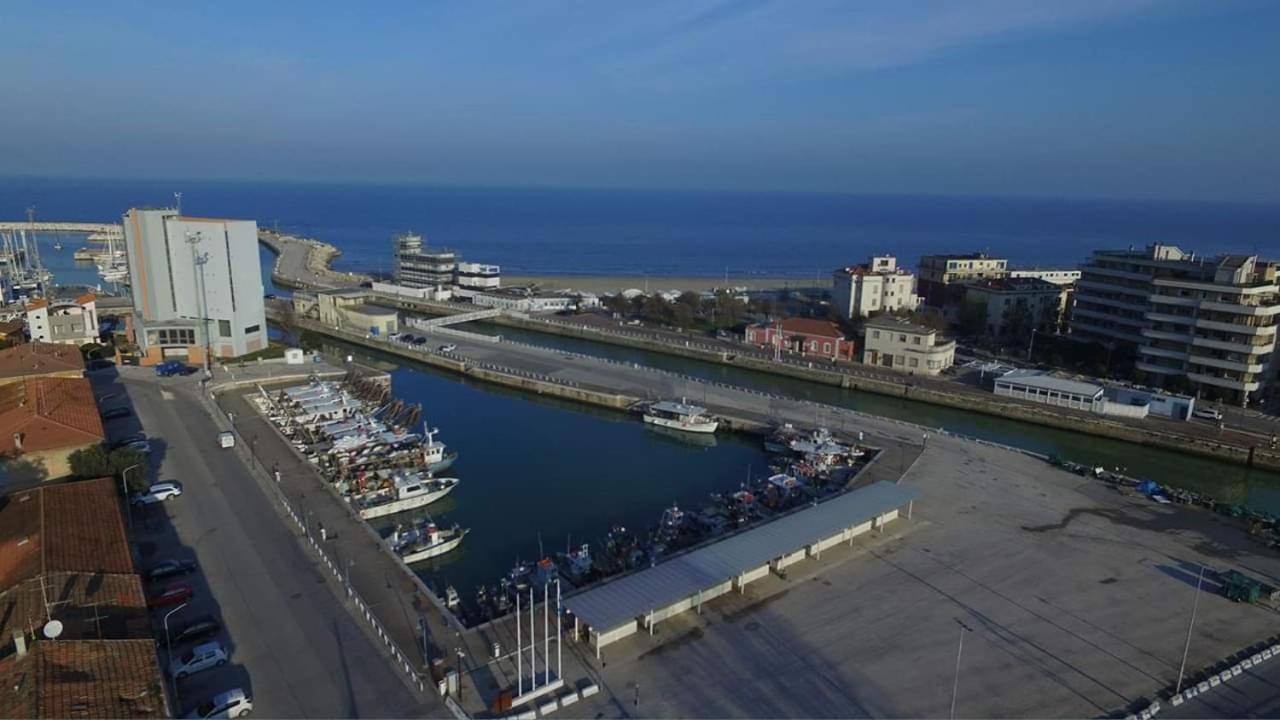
x=303 y=264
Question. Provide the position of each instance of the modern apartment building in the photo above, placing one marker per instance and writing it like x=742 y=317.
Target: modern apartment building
x=1210 y=320
x=877 y=286
x=942 y=277
x=196 y=283
x=418 y=267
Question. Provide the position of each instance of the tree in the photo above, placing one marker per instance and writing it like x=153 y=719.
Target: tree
x=972 y=319
x=96 y=461
x=930 y=317
x=616 y=304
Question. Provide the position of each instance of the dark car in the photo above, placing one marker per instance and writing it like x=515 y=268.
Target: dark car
x=128 y=439
x=198 y=629
x=116 y=413
x=171 y=368
x=172 y=595
x=169 y=568
x=99 y=364
x=419 y=341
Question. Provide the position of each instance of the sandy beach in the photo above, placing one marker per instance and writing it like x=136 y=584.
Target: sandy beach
x=616 y=283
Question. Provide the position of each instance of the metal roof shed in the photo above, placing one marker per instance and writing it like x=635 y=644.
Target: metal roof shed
x=624 y=600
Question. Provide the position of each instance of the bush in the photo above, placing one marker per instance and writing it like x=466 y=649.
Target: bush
x=97 y=461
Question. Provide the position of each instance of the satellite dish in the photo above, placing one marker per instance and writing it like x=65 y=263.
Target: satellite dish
x=53 y=629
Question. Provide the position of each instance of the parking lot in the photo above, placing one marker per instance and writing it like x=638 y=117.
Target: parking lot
x=290 y=643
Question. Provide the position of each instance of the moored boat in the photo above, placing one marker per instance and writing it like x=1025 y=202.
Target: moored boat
x=425 y=540
x=406 y=491
x=680 y=416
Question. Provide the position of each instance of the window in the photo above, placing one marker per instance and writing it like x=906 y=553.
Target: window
x=826 y=347
x=915 y=362
x=915 y=340
x=252 y=329
x=177 y=337
x=902 y=338
x=875 y=334
x=224 y=328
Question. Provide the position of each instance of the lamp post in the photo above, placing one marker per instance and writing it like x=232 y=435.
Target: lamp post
x=955 y=685
x=168 y=648
x=124 y=474
x=198 y=261
x=1195 y=604
x=1031 y=346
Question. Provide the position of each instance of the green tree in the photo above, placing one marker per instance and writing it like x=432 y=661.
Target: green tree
x=616 y=304
x=96 y=461
x=972 y=319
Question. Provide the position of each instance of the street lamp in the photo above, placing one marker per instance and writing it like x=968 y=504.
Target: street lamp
x=1195 y=604
x=955 y=685
x=125 y=487
x=168 y=648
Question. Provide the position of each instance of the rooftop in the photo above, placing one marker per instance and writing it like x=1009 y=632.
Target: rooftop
x=372 y=310
x=1044 y=381
x=347 y=292
x=809 y=326
x=84 y=678
x=961 y=256
x=1015 y=284
x=893 y=322
x=627 y=598
x=48 y=413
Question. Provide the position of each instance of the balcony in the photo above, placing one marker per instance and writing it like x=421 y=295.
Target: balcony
x=1108 y=272
x=1236 y=366
x=1082 y=326
x=1239 y=309
x=1163 y=352
x=1241 y=385
x=1210 y=286
x=1122 y=319
x=1139 y=292
x=1235 y=347
x=1236 y=328
x=1167 y=318
x=1158 y=369
x=1157 y=299
x=1136 y=307
x=1167 y=335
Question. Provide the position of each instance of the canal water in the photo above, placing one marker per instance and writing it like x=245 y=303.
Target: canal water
x=540 y=471
x=1225 y=481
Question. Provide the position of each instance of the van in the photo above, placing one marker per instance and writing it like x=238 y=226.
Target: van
x=226 y=439
x=201 y=657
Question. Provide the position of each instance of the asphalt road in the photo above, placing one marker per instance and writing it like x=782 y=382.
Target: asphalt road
x=292 y=644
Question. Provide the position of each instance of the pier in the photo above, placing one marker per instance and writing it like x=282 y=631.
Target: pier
x=63 y=227
x=303 y=263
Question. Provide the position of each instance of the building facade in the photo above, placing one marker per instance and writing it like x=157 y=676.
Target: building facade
x=942 y=277
x=1211 y=321
x=416 y=266
x=1057 y=276
x=898 y=344
x=877 y=286
x=812 y=338
x=1016 y=306
x=475 y=276
x=196 y=284
x=68 y=321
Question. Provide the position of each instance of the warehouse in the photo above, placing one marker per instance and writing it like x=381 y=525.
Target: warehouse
x=1043 y=388
x=640 y=600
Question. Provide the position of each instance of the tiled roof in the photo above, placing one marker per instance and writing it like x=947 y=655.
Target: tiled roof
x=12 y=326
x=37 y=303
x=49 y=412
x=38 y=358
x=810 y=326
x=87 y=298
x=84 y=679
x=81 y=532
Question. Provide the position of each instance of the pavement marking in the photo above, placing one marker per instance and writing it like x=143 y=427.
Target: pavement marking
x=167 y=395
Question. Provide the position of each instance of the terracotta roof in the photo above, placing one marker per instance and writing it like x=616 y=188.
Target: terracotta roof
x=86 y=298
x=49 y=412
x=12 y=326
x=39 y=358
x=810 y=326
x=84 y=679
x=36 y=304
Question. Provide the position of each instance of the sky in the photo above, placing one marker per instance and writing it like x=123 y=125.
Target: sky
x=1152 y=99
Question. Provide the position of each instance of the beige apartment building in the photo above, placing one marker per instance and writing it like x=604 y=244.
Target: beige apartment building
x=942 y=277
x=896 y=343
x=1210 y=320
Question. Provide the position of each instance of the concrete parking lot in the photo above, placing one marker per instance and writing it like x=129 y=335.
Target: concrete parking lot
x=293 y=645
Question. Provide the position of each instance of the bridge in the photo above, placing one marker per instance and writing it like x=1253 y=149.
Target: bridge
x=439 y=322
x=63 y=227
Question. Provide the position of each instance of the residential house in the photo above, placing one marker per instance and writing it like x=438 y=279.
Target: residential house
x=899 y=344
x=877 y=286
x=38 y=359
x=42 y=421
x=942 y=277
x=68 y=321
x=810 y=337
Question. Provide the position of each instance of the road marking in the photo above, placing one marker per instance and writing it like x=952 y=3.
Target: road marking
x=166 y=394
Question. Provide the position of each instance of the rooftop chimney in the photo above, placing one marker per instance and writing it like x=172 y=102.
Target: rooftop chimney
x=17 y=440
x=20 y=643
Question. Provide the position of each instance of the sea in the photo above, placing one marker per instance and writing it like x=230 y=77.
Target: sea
x=673 y=233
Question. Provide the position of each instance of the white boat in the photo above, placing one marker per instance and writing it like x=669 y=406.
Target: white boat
x=425 y=541
x=407 y=492
x=433 y=452
x=680 y=416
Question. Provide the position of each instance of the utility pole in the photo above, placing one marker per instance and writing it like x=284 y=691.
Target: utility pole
x=198 y=261
x=1195 y=604
x=125 y=487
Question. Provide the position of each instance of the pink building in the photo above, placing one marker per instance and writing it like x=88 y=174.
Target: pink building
x=813 y=338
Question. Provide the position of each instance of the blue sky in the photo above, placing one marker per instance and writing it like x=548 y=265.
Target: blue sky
x=1105 y=98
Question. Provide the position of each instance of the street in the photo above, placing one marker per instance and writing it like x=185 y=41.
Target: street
x=293 y=646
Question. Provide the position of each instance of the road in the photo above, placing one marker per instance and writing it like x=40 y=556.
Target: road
x=293 y=645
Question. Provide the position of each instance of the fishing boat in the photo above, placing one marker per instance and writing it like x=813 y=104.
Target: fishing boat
x=433 y=453
x=680 y=416
x=406 y=491
x=425 y=540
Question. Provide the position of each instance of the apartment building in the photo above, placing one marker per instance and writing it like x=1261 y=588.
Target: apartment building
x=196 y=284
x=1209 y=320
x=1014 y=306
x=1057 y=276
x=898 y=344
x=942 y=277
x=68 y=321
x=877 y=286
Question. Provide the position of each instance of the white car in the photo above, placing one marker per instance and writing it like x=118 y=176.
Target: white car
x=448 y=348
x=230 y=704
x=157 y=493
x=1207 y=414
x=200 y=657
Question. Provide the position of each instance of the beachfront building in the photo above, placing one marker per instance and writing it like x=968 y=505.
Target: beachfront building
x=1058 y=276
x=1209 y=323
x=1016 y=306
x=899 y=344
x=476 y=276
x=196 y=285
x=943 y=277
x=418 y=266
x=67 y=321
x=530 y=300
x=876 y=286
x=807 y=336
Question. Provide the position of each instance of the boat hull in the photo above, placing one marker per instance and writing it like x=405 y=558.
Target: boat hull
x=708 y=427
x=399 y=506
x=442 y=465
x=431 y=552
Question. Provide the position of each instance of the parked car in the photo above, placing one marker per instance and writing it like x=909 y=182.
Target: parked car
x=128 y=440
x=230 y=704
x=98 y=364
x=448 y=348
x=419 y=340
x=170 y=368
x=172 y=595
x=142 y=446
x=200 y=657
x=198 y=629
x=116 y=413
x=159 y=492
x=169 y=568
x=1207 y=413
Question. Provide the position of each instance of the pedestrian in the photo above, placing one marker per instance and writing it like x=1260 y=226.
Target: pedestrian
x=324 y=534
x=277 y=473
